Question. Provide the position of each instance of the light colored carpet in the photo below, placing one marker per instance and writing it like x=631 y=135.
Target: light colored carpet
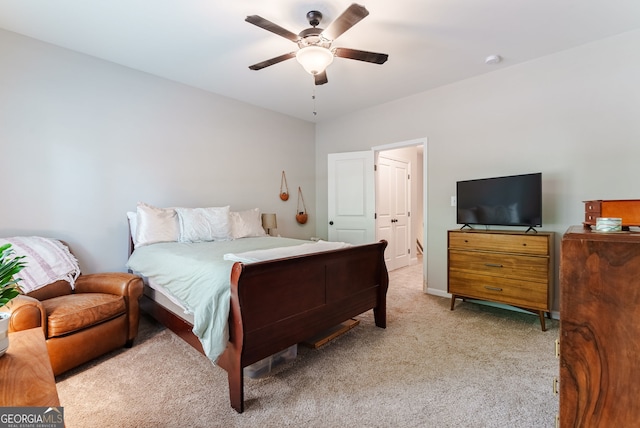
x=477 y=366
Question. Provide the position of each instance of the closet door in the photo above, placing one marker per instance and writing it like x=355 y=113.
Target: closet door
x=392 y=210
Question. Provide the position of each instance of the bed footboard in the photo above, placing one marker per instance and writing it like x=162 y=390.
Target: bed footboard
x=278 y=303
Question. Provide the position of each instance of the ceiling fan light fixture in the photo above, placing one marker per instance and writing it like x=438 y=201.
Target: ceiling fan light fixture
x=314 y=59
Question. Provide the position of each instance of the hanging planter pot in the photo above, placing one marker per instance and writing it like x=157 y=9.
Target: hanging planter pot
x=301 y=214
x=284 y=189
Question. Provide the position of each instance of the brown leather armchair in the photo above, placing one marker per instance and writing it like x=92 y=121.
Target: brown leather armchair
x=100 y=315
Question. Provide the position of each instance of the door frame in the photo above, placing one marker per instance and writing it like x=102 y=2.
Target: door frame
x=416 y=142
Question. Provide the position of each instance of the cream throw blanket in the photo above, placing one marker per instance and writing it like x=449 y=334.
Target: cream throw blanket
x=47 y=260
x=282 y=252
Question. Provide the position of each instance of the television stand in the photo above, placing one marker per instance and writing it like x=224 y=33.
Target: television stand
x=531 y=228
x=514 y=268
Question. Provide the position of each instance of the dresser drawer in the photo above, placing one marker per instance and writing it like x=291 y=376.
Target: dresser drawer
x=593 y=207
x=535 y=269
x=498 y=242
x=590 y=218
x=532 y=295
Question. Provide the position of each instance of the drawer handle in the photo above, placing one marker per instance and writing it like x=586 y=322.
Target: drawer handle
x=493 y=265
x=492 y=288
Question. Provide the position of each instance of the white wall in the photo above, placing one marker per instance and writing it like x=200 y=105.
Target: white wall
x=82 y=140
x=572 y=116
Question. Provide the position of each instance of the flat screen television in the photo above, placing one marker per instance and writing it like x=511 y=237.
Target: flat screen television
x=514 y=200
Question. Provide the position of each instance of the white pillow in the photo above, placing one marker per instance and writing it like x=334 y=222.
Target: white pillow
x=155 y=225
x=133 y=225
x=246 y=224
x=204 y=224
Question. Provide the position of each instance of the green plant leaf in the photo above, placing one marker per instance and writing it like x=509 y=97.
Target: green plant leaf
x=10 y=265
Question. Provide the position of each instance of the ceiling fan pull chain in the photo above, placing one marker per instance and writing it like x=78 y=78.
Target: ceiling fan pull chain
x=313 y=97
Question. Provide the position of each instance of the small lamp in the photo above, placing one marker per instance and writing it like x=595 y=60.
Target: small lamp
x=269 y=222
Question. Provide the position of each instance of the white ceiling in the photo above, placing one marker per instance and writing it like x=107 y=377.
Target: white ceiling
x=208 y=45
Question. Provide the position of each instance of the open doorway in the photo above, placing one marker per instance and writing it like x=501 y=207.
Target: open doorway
x=351 y=203
x=401 y=203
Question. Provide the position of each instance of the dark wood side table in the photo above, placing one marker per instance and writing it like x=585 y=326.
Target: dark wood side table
x=26 y=377
x=599 y=329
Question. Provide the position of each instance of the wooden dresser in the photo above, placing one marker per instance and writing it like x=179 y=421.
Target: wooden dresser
x=599 y=329
x=509 y=267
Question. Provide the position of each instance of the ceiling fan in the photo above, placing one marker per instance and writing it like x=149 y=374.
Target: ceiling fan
x=315 y=52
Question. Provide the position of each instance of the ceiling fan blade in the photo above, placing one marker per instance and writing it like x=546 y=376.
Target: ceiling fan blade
x=270 y=26
x=267 y=63
x=321 y=78
x=376 y=58
x=350 y=17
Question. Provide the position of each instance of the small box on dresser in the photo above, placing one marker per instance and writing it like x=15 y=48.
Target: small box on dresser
x=626 y=209
x=509 y=267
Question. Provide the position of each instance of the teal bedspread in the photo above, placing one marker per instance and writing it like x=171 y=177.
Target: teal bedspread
x=197 y=276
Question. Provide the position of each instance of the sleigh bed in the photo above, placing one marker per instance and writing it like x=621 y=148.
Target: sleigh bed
x=272 y=303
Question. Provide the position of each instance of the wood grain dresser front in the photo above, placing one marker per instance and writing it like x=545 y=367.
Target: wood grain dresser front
x=512 y=268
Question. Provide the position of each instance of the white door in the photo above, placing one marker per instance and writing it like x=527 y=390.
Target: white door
x=351 y=197
x=392 y=209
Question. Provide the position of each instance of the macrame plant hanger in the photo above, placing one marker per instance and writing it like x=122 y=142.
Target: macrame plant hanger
x=301 y=215
x=284 y=189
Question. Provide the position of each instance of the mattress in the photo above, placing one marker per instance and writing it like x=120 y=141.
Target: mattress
x=158 y=294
